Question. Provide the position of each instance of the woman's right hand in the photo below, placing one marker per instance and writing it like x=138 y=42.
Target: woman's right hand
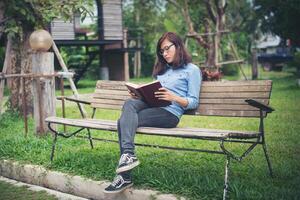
x=133 y=95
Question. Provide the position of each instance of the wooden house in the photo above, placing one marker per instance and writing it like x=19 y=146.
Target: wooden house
x=111 y=40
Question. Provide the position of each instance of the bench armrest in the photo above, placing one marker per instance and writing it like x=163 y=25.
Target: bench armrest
x=259 y=105
x=74 y=99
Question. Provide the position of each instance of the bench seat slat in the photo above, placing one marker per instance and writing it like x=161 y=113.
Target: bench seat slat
x=107 y=83
x=204 y=102
x=109 y=96
x=106 y=106
x=213 y=89
x=202 y=97
x=116 y=104
x=227 y=107
x=237 y=83
x=231 y=101
x=236 y=89
x=120 y=101
x=108 y=101
x=175 y=132
x=124 y=95
x=228 y=113
x=258 y=95
x=106 y=91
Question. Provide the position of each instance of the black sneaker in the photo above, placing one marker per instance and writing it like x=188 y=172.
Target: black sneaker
x=127 y=162
x=118 y=185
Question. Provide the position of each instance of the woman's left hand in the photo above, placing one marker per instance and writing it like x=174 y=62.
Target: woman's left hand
x=165 y=94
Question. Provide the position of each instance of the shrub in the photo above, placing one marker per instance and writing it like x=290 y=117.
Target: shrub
x=295 y=63
x=230 y=69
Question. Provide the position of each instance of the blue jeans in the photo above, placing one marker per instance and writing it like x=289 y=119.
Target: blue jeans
x=136 y=113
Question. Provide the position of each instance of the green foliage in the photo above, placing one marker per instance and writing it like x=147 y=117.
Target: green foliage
x=296 y=63
x=280 y=17
x=2 y=56
x=230 y=70
x=150 y=26
x=159 y=16
x=30 y=14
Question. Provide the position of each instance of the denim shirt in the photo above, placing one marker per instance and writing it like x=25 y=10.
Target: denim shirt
x=184 y=82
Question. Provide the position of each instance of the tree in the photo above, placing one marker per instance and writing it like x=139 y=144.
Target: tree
x=214 y=23
x=280 y=17
x=19 y=19
x=150 y=24
x=191 y=17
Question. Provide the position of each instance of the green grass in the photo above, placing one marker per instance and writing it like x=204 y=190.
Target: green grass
x=11 y=192
x=193 y=175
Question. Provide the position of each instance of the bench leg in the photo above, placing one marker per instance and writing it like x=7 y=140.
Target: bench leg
x=53 y=146
x=90 y=138
x=226 y=177
x=267 y=158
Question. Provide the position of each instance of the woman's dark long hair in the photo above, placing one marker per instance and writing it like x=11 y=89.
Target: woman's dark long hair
x=182 y=57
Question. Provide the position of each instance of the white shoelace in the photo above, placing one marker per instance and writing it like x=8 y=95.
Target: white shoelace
x=125 y=159
x=117 y=179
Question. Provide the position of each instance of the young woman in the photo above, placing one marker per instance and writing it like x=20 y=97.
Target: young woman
x=181 y=86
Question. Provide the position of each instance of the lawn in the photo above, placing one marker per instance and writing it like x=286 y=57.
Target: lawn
x=193 y=175
x=11 y=192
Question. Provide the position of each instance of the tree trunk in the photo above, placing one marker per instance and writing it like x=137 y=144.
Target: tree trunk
x=220 y=24
x=20 y=63
x=5 y=68
x=137 y=62
x=254 y=65
x=137 y=54
x=210 y=52
x=26 y=67
x=216 y=16
x=14 y=68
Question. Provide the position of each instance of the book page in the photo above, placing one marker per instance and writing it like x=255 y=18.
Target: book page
x=153 y=82
x=132 y=85
x=134 y=89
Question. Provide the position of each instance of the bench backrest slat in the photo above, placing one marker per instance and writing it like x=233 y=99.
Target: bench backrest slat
x=216 y=98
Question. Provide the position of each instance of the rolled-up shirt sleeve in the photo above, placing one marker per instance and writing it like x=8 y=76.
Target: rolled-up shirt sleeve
x=194 y=85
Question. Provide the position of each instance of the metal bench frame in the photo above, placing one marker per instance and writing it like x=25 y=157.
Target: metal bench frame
x=221 y=136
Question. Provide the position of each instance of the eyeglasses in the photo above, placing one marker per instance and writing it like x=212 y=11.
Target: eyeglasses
x=161 y=51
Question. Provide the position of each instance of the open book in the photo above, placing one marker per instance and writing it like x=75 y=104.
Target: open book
x=146 y=93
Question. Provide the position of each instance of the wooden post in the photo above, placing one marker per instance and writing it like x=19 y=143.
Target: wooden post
x=24 y=105
x=254 y=64
x=62 y=89
x=65 y=69
x=236 y=56
x=126 y=62
x=138 y=58
x=43 y=90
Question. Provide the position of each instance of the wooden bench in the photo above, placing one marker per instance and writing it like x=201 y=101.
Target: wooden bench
x=227 y=99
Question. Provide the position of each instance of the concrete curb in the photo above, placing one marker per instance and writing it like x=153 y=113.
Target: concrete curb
x=74 y=185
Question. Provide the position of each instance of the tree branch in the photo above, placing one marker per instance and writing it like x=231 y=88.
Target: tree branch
x=187 y=17
x=210 y=10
